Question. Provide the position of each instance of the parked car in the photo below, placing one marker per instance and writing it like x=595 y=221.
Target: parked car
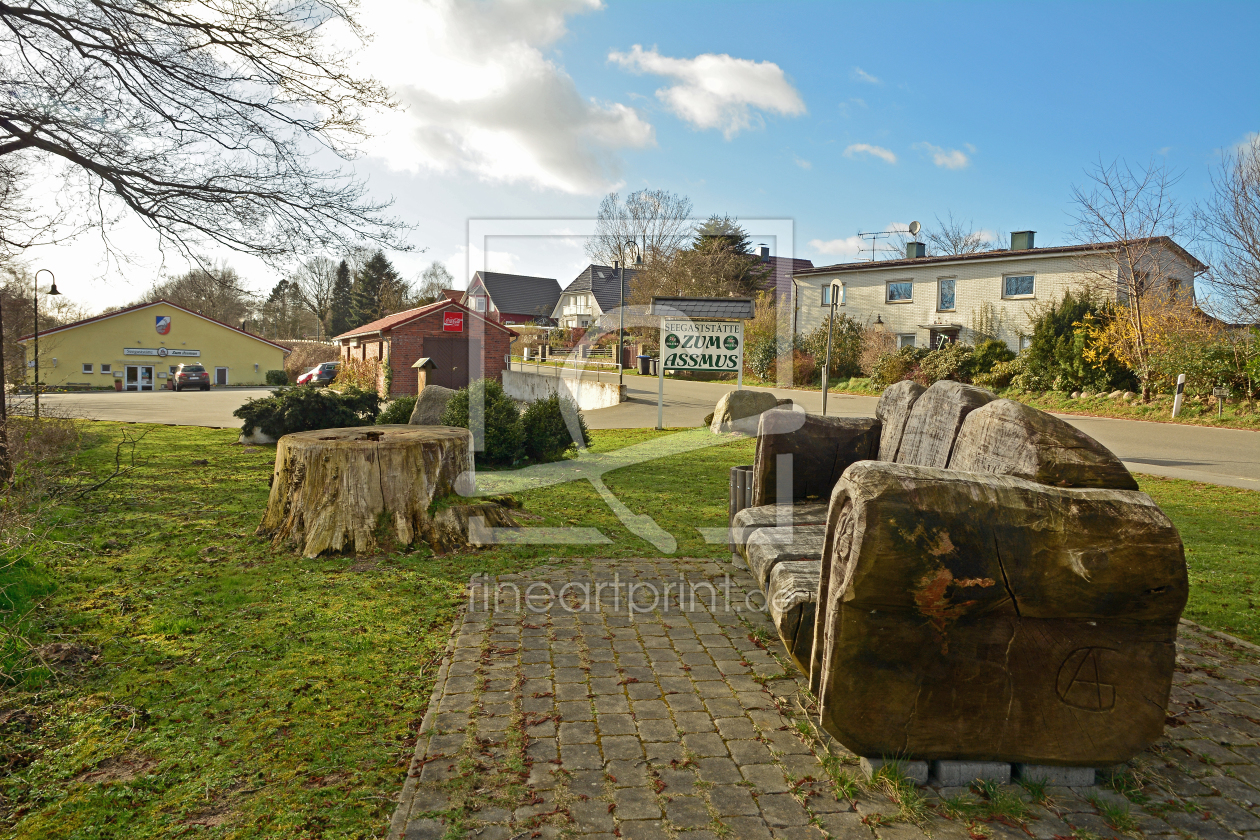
x=320 y=374
x=190 y=376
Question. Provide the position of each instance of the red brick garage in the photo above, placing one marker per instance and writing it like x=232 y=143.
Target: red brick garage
x=461 y=343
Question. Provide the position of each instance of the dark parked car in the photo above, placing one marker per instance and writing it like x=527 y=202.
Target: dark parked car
x=190 y=376
x=320 y=374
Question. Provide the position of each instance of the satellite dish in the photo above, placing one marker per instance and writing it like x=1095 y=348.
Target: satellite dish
x=915 y=227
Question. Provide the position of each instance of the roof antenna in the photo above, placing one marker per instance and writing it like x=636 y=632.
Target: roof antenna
x=873 y=237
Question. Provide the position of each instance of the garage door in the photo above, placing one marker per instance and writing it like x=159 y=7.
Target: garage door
x=451 y=357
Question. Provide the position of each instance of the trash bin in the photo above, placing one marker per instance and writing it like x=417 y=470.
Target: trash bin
x=645 y=364
x=656 y=364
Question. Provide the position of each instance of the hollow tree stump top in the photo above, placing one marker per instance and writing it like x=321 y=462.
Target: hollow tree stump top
x=331 y=486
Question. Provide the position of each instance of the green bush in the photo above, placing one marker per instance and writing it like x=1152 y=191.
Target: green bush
x=277 y=377
x=760 y=355
x=547 y=435
x=300 y=409
x=503 y=436
x=846 y=346
x=950 y=361
x=398 y=411
x=1056 y=357
x=894 y=367
x=988 y=353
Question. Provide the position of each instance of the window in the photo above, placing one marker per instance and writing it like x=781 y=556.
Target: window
x=1017 y=285
x=87 y=367
x=172 y=368
x=107 y=368
x=900 y=292
x=1025 y=341
x=905 y=340
x=480 y=303
x=826 y=295
x=945 y=298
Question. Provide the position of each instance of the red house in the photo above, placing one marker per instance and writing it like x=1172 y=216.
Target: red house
x=460 y=342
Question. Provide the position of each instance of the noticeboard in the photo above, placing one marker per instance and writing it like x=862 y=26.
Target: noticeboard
x=702 y=345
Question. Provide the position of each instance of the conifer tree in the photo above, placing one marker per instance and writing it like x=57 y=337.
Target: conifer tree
x=341 y=305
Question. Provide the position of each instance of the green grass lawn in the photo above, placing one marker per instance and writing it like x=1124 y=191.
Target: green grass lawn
x=215 y=687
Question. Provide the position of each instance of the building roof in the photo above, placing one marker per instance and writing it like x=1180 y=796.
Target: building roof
x=456 y=295
x=601 y=281
x=732 y=307
x=1054 y=250
x=778 y=277
x=519 y=294
x=140 y=306
x=390 y=322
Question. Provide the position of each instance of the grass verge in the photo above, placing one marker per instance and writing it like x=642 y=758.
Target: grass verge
x=194 y=679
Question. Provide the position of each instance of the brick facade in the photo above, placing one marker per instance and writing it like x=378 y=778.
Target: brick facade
x=402 y=345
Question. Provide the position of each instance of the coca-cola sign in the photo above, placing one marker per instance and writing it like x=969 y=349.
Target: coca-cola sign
x=453 y=321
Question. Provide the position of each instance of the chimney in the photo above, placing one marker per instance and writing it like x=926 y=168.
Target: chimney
x=915 y=250
x=764 y=250
x=1022 y=240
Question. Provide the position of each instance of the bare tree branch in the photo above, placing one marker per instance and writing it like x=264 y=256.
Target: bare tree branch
x=1231 y=223
x=659 y=221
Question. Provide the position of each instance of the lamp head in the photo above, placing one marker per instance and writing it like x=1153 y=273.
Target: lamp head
x=52 y=290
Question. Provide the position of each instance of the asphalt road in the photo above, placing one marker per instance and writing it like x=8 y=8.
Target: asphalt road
x=1219 y=456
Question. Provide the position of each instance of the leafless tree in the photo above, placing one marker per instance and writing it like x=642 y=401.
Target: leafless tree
x=433 y=280
x=1231 y=223
x=949 y=236
x=205 y=121
x=659 y=221
x=1125 y=215
x=217 y=292
x=312 y=284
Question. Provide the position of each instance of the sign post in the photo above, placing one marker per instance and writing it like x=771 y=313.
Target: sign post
x=699 y=334
x=1221 y=392
x=1181 y=387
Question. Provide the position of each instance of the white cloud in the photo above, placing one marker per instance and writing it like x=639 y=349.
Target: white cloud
x=717 y=91
x=862 y=76
x=947 y=158
x=850 y=246
x=802 y=163
x=480 y=96
x=867 y=149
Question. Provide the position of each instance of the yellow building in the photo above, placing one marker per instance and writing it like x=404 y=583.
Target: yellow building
x=140 y=346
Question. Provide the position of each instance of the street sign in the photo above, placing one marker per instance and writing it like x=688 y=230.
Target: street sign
x=702 y=345
x=1221 y=391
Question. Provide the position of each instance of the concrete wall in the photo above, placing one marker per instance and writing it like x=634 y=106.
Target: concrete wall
x=64 y=353
x=587 y=393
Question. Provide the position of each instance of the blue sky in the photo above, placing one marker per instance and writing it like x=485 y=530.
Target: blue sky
x=988 y=110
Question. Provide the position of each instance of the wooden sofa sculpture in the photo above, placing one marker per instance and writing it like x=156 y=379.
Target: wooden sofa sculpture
x=966 y=578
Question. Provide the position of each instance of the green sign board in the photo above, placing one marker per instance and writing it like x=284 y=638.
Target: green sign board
x=702 y=345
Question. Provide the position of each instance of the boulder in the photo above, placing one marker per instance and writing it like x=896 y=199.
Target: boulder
x=893 y=411
x=257 y=438
x=1115 y=395
x=430 y=405
x=739 y=411
x=817 y=451
x=975 y=617
x=935 y=420
x=1009 y=438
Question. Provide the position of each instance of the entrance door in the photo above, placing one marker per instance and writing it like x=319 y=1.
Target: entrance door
x=220 y=376
x=138 y=378
x=451 y=357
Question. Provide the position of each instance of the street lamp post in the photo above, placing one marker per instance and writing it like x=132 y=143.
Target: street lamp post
x=621 y=311
x=831 y=325
x=52 y=290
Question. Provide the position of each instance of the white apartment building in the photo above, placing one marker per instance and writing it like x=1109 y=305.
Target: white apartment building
x=925 y=300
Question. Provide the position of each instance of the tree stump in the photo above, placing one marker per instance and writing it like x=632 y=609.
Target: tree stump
x=338 y=487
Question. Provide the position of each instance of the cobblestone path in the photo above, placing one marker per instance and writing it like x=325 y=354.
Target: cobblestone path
x=567 y=712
